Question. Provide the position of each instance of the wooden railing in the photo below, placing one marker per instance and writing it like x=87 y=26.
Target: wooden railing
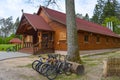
x=18 y=46
x=27 y=44
x=36 y=47
x=42 y=46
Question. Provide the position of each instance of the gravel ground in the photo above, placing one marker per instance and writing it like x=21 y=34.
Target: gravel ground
x=17 y=69
x=7 y=55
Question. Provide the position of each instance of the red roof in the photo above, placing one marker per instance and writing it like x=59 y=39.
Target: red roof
x=15 y=40
x=37 y=22
x=81 y=24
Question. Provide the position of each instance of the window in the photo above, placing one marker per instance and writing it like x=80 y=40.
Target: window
x=97 y=39
x=62 y=36
x=86 y=38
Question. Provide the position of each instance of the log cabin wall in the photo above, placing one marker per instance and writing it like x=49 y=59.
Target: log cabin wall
x=59 y=42
x=95 y=41
x=28 y=38
x=60 y=35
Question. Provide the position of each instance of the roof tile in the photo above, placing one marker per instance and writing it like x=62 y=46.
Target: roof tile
x=37 y=22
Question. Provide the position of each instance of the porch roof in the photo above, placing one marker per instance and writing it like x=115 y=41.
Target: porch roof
x=35 y=21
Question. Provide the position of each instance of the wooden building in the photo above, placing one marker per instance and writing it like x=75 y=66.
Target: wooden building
x=46 y=31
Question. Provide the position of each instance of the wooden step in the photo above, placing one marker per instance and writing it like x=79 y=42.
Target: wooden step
x=26 y=50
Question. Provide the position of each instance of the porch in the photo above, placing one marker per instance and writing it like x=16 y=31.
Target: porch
x=37 y=35
x=39 y=48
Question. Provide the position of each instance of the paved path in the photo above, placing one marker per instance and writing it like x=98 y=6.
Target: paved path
x=8 y=55
x=90 y=52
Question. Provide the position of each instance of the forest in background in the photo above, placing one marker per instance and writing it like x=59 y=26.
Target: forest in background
x=8 y=29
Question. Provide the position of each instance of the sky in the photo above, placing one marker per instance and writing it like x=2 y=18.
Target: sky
x=13 y=7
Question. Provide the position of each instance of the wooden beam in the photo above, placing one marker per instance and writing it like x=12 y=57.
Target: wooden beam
x=24 y=23
x=30 y=27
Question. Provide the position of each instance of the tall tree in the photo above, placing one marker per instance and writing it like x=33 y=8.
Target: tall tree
x=112 y=8
x=116 y=4
x=86 y=17
x=109 y=10
x=72 y=36
x=105 y=9
x=6 y=26
x=15 y=25
x=98 y=10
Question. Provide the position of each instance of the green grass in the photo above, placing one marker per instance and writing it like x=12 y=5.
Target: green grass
x=27 y=66
x=3 y=47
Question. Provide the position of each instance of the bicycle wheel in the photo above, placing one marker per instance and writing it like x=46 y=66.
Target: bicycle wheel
x=37 y=67
x=51 y=73
x=43 y=68
x=34 y=64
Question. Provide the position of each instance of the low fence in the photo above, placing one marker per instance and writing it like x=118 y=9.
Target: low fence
x=111 y=67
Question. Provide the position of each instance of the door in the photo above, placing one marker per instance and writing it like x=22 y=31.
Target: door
x=47 y=40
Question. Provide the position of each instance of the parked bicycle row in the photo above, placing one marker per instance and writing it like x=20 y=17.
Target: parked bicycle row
x=52 y=66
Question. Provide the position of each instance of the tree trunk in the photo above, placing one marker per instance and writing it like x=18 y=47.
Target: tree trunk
x=72 y=36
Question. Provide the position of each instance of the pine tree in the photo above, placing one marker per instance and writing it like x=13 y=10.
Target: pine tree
x=116 y=5
x=109 y=10
x=15 y=26
x=87 y=17
x=105 y=9
x=98 y=10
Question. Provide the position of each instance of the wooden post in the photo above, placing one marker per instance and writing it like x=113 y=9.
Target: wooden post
x=105 y=71
x=40 y=38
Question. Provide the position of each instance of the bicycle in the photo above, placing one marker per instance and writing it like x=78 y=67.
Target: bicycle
x=58 y=68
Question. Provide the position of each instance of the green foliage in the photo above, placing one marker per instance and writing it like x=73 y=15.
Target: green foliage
x=115 y=22
x=87 y=17
x=1 y=40
x=15 y=25
x=105 y=9
x=6 y=25
x=3 y=47
x=7 y=39
x=98 y=11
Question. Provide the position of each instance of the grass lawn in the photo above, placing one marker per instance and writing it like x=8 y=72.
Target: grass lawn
x=3 y=47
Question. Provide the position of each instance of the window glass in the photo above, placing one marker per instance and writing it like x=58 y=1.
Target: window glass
x=86 y=38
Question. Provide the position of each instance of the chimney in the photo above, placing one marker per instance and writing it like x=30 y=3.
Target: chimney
x=110 y=25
